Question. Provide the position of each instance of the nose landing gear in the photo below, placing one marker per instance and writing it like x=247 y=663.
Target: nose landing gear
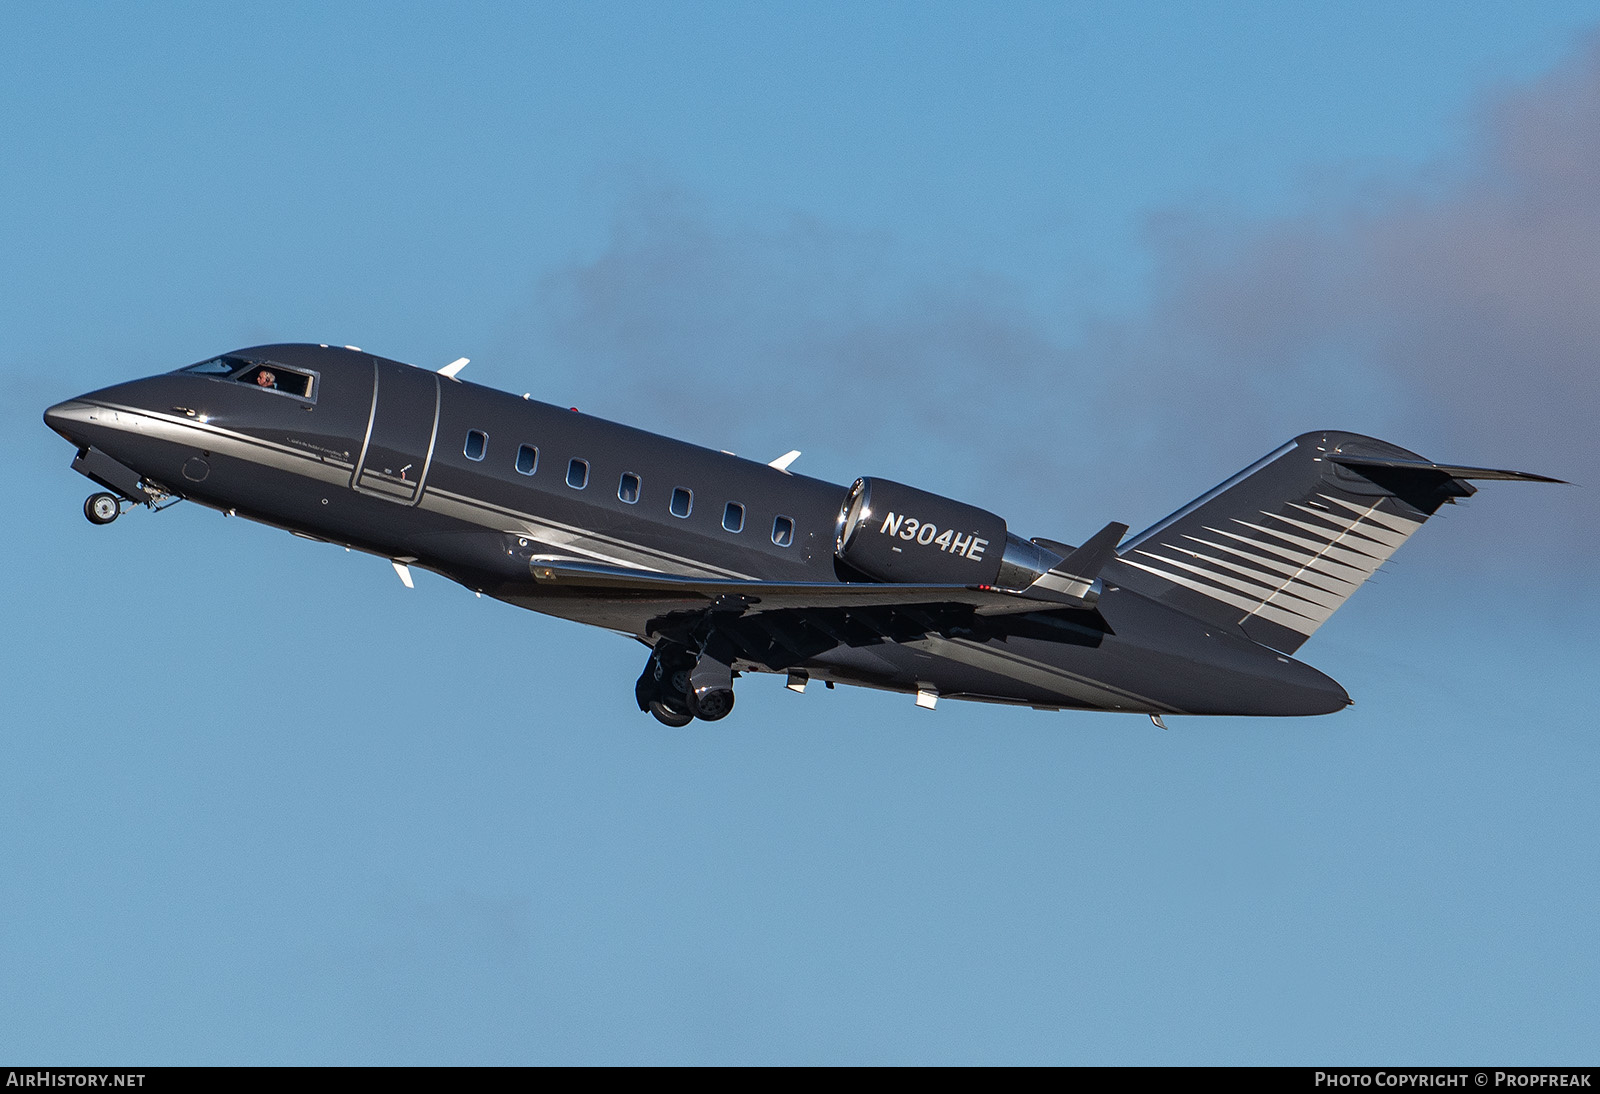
x=123 y=486
x=105 y=507
x=102 y=508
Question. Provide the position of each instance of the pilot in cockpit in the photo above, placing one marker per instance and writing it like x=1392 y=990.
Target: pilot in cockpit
x=266 y=379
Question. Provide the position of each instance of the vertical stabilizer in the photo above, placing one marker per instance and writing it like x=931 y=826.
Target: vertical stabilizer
x=1276 y=549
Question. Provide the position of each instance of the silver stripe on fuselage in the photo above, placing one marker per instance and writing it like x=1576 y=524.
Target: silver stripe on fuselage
x=486 y=515
x=182 y=430
x=567 y=537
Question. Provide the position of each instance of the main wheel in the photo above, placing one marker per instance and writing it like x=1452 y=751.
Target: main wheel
x=677 y=682
x=710 y=704
x=102 y=508
x=667 y=716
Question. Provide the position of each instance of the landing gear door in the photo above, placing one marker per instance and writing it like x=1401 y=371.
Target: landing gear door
x=400 y=436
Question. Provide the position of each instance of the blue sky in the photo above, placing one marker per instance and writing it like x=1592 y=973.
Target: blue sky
x=1076 y=263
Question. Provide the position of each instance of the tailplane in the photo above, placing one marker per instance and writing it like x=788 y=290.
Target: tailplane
x=1276 y=549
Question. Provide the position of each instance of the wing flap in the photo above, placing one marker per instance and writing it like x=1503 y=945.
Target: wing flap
x=591 y=579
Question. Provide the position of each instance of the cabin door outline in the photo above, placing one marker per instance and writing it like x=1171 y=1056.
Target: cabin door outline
x=402 y=429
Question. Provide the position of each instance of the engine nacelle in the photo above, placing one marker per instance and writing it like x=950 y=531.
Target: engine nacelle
x=898 y=533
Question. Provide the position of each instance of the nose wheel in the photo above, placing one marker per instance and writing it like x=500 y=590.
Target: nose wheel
x=102 y=508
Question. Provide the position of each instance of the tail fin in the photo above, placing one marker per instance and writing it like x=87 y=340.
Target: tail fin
x=1279 y=547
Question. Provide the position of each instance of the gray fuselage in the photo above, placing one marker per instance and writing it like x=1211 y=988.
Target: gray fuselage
x=478 y=485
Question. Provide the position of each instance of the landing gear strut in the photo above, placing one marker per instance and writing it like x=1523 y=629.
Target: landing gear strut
x=102 y=508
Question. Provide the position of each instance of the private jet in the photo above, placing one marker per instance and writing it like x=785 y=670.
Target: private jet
x=724 y=566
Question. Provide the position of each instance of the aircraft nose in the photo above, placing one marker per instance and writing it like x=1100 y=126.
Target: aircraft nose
x=56 y=418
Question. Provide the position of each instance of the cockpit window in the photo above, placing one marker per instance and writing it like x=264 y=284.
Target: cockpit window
x=263 y=374
x=277 y=378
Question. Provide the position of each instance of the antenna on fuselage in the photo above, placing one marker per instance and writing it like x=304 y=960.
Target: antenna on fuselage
x=782 y=462
x=449 y=371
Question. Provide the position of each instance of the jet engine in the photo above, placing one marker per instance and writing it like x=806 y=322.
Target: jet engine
x=898 y=533
x=894 y=532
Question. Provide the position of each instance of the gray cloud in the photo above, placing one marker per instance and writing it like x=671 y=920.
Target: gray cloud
x=1456 y=312
x=1460 y=314
x=798 y=334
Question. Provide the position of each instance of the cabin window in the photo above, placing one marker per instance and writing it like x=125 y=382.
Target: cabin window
x=782 y=531
x=477 y=444
x=628 y=488
x=578 y=473
x=733 y=517
x=527 y=459
x=682 y=501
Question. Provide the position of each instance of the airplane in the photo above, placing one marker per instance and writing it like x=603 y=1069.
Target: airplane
x=724 y=566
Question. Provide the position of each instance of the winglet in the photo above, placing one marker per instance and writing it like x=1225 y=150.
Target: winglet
x=449 y=371
x=1074 y=576
x=782 y=462
x=1087 y=561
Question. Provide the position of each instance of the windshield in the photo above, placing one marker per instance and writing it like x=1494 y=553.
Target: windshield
x=217 y=366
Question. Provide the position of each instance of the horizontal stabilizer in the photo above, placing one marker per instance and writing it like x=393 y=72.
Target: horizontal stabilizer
x=1358 y=462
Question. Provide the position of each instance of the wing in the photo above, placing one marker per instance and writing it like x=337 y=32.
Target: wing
x=779 y=624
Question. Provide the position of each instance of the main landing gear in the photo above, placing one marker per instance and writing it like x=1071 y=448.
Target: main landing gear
x=679 y=685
